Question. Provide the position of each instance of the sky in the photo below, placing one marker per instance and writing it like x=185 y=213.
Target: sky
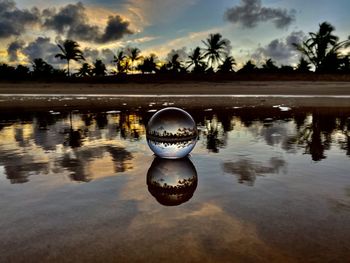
x=257 y=29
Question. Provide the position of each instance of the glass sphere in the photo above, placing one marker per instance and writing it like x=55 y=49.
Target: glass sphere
x=171 y=133
x=172 y=182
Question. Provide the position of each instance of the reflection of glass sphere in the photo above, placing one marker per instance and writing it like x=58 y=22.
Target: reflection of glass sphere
x=171 y=133
x=172 y=182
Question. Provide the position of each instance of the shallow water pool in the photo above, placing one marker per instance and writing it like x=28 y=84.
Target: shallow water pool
x=262 y=185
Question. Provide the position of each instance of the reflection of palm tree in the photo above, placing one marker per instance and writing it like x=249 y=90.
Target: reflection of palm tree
x=216 y=48
x=74 y=137
x=216 y=137
x=70 y=51
x=101 y=120
x=316 y=137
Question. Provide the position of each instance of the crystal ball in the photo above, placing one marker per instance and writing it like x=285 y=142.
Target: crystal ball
x=171 y=133
x=172 y=182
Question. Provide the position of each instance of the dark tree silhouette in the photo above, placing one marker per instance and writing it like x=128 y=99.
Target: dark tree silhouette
x=175 y=65
x=269 y=66
x=248 y=67
x=345 y=64
x=303 y=66
x=149 y=64
x=216 y=48
x=196 y=60
x=22 y=71
x=286 y=69
x=323 y=48
x=41 y=68
x=133 y=54
x=121 y=61
x=227 y=65
x=6 y=71
x=85 y=70
x=70 y=51
x=99 y=68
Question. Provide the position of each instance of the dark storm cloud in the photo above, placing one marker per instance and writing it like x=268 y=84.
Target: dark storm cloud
x=12 y=49
x=251 y=12
x=106 y=55
x=42 y=48
x=14 y=21
x=73 y=21
x=91 y=54
x=280 y=50
x=116 y=28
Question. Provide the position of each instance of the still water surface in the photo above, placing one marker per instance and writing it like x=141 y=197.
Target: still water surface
x=261 y=185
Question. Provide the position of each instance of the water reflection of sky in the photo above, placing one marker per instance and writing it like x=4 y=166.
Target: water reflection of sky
x=272 y=187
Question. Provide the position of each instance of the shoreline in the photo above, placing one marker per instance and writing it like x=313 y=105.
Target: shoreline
x=198 y=88
x=195 y=95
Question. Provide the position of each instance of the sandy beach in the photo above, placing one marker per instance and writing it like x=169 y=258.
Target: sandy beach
x=224 y=88
x=198 y=94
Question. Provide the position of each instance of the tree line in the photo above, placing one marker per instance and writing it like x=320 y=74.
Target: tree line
x=322 y=52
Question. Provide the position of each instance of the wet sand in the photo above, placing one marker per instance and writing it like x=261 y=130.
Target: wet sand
x=230 y=94
x=225 y=88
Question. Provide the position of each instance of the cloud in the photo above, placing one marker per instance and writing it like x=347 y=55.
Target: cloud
x=91 y=54
x=42 y=48
x=157 y=11
x=116 y=28
x=182 y=52
x=281 y=50
x=247 y=170
x=14 y=21
x=251 y=12
x=191 y=39
x=13 y=48
x=73 y=21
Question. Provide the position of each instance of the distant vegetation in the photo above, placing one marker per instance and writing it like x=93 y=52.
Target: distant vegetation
x=322 y=52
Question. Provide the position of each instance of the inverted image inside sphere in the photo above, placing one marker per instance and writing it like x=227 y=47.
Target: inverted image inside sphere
x=172 y=133
x=172 y=182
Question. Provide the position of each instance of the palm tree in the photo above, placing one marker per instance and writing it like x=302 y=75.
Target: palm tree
x=345 y=64
x=175 y=65
x=216 y=48
x=134 y=55
x=121 y=61
x=196 y=60
x=22 y=71
x=149 y=64
x=269 y=66
x=248 y=67
x=322 y=47
x=99 y=68
x=85 y=70
x=303 y=66
x=227 y=65
x=41 y=68
x=70 y=51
